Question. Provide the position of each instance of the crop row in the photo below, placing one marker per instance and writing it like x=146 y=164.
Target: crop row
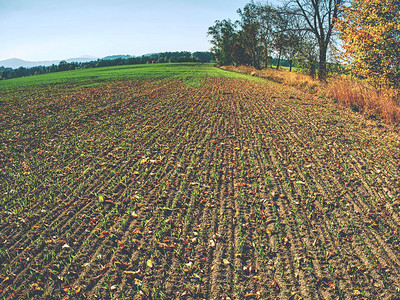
x=233 y=189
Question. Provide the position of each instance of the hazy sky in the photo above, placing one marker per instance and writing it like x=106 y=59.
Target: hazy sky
x=61 y=29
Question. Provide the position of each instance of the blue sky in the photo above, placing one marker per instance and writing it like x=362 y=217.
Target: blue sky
x=60 y=29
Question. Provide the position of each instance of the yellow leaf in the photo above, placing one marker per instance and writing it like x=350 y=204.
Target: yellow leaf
x=150 y=263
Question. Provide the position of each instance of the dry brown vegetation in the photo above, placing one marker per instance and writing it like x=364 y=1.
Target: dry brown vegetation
x=357 y=95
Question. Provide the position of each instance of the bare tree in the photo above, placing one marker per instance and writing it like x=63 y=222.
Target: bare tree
x=319 y=18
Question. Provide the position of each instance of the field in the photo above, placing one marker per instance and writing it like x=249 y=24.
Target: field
x=186 y=181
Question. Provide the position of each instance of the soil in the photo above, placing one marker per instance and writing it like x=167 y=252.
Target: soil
x=234 y=189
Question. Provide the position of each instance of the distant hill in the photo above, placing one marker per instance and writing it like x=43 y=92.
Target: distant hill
x=111 y=57
x=14 y=67
x=15 y=63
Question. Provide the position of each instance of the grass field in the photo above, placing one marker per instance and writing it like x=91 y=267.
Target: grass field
x=97 y=76
x=186 y=181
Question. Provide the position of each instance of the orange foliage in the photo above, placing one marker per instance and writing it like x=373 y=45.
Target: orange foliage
x=370 y=31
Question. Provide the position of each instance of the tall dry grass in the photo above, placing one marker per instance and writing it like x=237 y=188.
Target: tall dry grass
x=359 y=96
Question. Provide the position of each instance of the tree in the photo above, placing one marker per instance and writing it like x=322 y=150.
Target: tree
x=224 y=36
x=287 y=37
x=293 y=47
x=202 y=56
x=281 y=35
x=267 y=16
x=63 y=66
x=238 y=54
x=249 y=35
x=319 y=17
x=370 y=31
x=308 y=55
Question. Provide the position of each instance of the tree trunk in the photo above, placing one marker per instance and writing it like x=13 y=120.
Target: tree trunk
x=322 y=63
x=279 y=60
x=266 y=60
x=290 y=65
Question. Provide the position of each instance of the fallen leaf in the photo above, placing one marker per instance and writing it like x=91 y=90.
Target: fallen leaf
x=36 y=287
x=211 y=243
x=269 y=221
x=150 y=263
x=331 y=285
x=112 y=202
x=137 y=231
x=121 y=245
x=133 y=274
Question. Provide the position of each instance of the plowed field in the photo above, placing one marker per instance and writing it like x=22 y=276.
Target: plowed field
x=232 y=188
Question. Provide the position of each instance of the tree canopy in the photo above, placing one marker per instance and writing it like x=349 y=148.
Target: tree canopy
x=264 y=31
x=370 y=31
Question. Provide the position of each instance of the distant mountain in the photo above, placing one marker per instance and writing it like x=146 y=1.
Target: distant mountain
x=15 y=63
x=111 y=57
x=85 y=58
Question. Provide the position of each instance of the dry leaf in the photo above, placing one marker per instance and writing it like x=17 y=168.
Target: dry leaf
x=211 y=243
x=65 y=246
x=150 y=263
x=132 y=274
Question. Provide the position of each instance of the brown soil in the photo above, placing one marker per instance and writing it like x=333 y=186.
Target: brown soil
x=232 y=190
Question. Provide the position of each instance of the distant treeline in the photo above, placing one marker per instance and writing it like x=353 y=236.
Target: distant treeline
x=163 y=57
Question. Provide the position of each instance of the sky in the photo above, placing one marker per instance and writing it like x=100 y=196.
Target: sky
x=38 y=30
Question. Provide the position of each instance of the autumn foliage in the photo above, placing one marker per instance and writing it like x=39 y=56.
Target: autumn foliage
x=370 y=31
